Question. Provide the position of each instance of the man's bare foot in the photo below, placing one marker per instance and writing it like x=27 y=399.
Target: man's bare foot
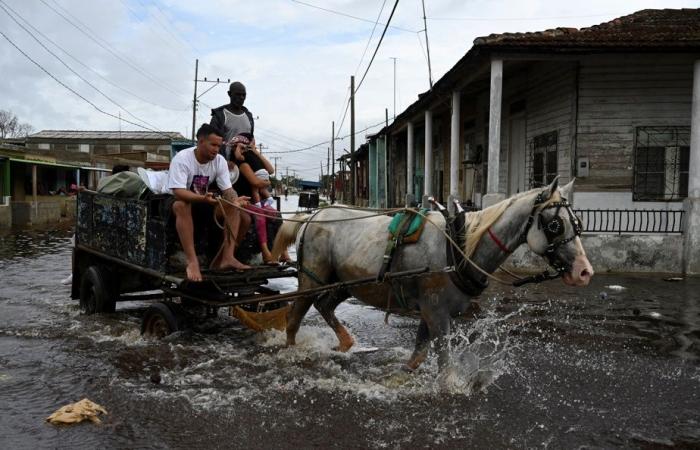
x=231 y=263
x=193 y=273
x=267 y=257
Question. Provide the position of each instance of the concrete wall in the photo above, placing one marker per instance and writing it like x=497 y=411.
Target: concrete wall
x=617 y=253
x=45 y=212
x=5 y=215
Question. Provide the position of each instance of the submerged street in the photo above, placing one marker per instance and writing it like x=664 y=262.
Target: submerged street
x=612 y=364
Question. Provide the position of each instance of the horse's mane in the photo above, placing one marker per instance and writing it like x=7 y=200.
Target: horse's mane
x=477 y=222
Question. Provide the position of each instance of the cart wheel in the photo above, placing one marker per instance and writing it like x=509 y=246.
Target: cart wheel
x=96 y=293
x=162 y=319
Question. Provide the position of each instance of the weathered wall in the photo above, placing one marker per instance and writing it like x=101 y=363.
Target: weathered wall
x=46 y=212
x=5 y=216
x=618 y=93
x=617 y=253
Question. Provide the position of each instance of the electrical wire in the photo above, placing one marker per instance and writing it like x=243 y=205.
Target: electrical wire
x=66 y=52
x=106 y=47
x=349 y=15
x=381 y=38
x=325 y=142
x=369 y=41
x=75 y=92
x=2 y=6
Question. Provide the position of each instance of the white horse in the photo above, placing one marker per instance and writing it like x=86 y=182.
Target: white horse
x=345 y=250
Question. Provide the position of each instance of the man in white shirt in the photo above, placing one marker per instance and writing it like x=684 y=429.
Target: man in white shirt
x=191 y=173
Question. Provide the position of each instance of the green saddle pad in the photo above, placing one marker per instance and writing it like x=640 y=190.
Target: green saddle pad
x=413 y=227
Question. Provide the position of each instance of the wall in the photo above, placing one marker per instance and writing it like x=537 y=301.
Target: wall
x=616 y=253
x=616 y=94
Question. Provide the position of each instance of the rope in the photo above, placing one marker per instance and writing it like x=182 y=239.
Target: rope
x=447 y=236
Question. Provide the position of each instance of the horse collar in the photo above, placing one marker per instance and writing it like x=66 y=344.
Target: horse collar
x=464 y=281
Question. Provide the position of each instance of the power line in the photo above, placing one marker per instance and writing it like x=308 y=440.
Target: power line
x=163 y=25
x=350 y=16
x=381 y=10
x=95 y=38
x=74 y=92
x=490 y=19
x=2 y=5
x=325 y=142
x=26 y=22
x=381 y=38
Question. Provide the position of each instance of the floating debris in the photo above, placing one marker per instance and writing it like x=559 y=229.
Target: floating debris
x=616 y=287
x=77 y=412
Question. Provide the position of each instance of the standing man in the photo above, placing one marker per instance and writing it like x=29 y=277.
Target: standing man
x=234 y=118
x=192 y=171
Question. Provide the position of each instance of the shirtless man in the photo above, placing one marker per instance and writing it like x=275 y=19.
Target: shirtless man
x=192 y=171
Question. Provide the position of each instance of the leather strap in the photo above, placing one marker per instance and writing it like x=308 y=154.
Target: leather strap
x=498 y=242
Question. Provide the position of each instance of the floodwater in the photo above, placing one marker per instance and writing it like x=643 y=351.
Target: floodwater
x=616 y=364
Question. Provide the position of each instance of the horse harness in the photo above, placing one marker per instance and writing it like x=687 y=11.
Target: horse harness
x=553 y=229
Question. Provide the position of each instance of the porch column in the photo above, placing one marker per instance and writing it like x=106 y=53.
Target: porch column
x=410 y=159
x=428 y=177
x=691 y=236
x=6 y=182
x=34 y=199
x=454 y=149
x=492 y=195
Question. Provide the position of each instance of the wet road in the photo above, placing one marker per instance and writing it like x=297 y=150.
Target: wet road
x=616 y=364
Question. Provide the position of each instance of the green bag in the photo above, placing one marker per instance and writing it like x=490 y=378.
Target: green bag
x=123 y=185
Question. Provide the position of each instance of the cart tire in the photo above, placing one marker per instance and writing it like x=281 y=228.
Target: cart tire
x=96 y=293
x=162 y=319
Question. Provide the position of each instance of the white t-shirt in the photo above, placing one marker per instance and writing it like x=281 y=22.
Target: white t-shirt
x=187 y=173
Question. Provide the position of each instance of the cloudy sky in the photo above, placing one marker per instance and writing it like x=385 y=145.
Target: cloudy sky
x=135 y=59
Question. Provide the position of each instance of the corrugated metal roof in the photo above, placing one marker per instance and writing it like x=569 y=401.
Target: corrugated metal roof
x=107 y=135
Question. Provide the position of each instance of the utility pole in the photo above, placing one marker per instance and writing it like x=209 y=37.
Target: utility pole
x=333 y=162
x=275 y=158
x=352 y=140
x=261 y=147
x=394 y=85
x=195 y=97
x=427 y=46
x=328 y=168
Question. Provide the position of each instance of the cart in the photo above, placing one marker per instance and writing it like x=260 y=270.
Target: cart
x=126 y=249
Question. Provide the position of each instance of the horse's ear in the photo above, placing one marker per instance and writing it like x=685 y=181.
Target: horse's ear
x=568 y=189
x=553 y=186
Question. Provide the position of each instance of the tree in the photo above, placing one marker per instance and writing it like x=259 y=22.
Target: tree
x=10 y=127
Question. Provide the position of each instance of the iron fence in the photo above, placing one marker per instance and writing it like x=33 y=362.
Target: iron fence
x=631 y=221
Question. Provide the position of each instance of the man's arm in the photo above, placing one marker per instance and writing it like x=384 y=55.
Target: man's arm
x=187 y=196
x=231 y=196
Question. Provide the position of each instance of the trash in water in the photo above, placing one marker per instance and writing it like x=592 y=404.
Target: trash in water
x=673 y=279
x=364 y=349
x=77 y=412
x=616 y=287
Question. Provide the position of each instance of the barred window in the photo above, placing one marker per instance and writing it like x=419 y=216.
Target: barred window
x=661 y=162
x=544 y=159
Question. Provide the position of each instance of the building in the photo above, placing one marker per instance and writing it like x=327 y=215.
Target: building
x=609 y=104
x=36 y=174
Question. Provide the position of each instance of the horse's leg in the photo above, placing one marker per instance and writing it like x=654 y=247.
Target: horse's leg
x=420 y=352
x=326 y=307
x=437 y=325
x=295 y=315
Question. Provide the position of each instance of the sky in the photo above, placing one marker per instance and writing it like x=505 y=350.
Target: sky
x=134 y=60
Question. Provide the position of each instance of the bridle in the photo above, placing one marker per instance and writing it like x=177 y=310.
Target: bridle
x=553 y=230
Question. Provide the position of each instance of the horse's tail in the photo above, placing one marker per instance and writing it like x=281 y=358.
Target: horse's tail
x=287 y=234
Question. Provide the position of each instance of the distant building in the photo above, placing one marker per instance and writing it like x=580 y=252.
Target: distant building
x=36 y=174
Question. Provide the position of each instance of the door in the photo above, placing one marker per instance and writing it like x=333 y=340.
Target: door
x=516 y=155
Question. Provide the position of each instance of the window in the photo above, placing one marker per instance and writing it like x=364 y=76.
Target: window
x=544 y=159
x=661 y=162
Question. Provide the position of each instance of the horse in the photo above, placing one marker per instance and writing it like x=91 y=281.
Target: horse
x=338 y=244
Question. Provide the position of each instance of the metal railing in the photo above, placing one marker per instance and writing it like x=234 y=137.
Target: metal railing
x=631 y=221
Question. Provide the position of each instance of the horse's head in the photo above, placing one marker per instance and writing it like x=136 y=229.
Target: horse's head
x=554 y=233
